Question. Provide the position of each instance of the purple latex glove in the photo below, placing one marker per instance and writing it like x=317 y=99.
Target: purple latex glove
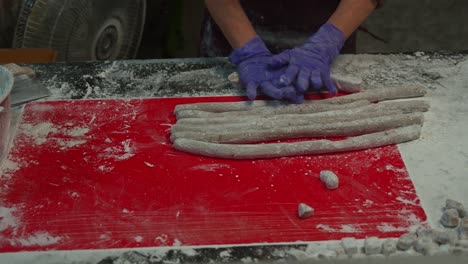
x=253 y=66
x=309 y=64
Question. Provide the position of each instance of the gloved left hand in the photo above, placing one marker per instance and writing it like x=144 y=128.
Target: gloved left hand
x=309 y=64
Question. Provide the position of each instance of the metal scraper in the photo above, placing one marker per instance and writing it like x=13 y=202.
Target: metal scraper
x=25 y=88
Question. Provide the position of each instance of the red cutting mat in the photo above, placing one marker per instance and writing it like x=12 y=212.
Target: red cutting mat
x=97 y=174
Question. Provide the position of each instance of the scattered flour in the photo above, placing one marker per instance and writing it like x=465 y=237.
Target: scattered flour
x=388 y=228
x=43 y=132
x=105 y=237
x=406 y=202
x=7 y=219
x=38 y=239
x=368 y=203
x=105 y=168
x=66 y=144
x=74 y=195
x=8 y=168
x=177 y=243
x=161 y=238
x=138 y=239
x=122 y=152
x=149 y=164
x=340 y=229
x=78 y=131
x=39 y=132
x=210 y=167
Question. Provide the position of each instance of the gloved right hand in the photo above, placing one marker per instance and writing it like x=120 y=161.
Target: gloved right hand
x=252 y=61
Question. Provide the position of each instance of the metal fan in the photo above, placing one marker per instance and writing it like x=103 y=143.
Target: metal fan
x=82 y=30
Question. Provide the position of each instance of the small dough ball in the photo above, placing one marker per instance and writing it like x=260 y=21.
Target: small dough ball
x=304 y=211
x=450 y=218
x=463 y=228
x=330 y=179
x=350 y=245
x=425 y=246
x=234 y=78
x=372 y=246
x=452 y=204
x=389 y=247
x=406 y=241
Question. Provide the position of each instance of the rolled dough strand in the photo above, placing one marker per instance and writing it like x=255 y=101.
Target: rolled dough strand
x=270 y=123
x=260 y=122
x=269 y=111
x=228 y=106
x=276 y=150
x=398 y=92
x=347 y=84
x=338 y=129
x=377 y=95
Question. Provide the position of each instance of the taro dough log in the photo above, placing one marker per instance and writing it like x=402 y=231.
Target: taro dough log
x=403 y=107
x=274 y=110
x=264 y=151
x=338 y=129
x=347 y=84
x=389 y=93
x=260 y=122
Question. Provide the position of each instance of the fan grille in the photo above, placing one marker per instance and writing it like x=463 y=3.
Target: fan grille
x=82 y=29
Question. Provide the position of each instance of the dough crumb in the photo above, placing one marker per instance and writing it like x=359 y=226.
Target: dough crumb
x=445 y=237
x=450 y=218
x=462 y=243
x=425 y=246
x=452 y=204
x=234 y=78
x=338 y=249
x=423 y=232
x=389 y=247
x=330 y=179
x=350 y=245
x=372 y=246
x=406 y=241
x=305 y=211
x=463 y=228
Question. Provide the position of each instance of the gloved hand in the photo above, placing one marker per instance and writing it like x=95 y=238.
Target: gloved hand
x=309 y=64
x=253 y=66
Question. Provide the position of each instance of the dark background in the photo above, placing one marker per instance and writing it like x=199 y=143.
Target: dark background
x=173 y=27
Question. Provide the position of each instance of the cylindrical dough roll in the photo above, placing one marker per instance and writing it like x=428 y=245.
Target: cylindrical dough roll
x=338 y=129
x=374 y=95
x=260 y=122
x=270 y=111
x=403 y=107
x=264 y=151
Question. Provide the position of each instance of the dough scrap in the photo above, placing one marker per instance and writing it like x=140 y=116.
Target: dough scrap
x=330 y=179
x=304 y=211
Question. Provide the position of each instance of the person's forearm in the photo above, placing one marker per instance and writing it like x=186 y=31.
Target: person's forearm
x=350 y=14
x=231 y=18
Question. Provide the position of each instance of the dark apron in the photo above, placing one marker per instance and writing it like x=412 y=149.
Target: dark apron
x=282 y=24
